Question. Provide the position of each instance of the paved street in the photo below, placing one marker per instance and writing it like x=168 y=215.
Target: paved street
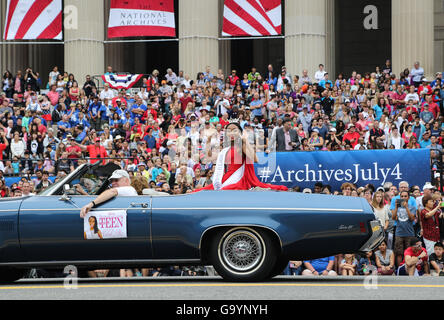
x=205 y=288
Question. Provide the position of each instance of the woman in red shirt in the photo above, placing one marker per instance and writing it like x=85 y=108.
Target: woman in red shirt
x=430 y=222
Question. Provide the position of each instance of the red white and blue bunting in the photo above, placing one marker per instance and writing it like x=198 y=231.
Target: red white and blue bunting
x=121 y=81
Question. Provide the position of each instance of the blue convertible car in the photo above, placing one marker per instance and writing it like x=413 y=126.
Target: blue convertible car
x=246 y=236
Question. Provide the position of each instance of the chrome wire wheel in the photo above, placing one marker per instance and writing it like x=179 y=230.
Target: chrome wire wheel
x=242 y=251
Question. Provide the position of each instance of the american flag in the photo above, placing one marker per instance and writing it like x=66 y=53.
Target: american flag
x=33 y=19
x=252 y=18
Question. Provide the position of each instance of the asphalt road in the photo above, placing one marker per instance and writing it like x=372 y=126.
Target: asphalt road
x=214 y=288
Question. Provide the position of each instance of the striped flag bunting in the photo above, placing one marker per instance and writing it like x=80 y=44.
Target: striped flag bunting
x=33 y=19
x=141 y=18
x=121 y=81
x=252 y=18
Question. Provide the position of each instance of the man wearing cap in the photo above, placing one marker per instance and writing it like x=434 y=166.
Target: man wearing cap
x=427 y=190
x=351 y=136
x=73 y=149
x=141 y=168
x=121 y=186
x=425 y=87
x=433 y=107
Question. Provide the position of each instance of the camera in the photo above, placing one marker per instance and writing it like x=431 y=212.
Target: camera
x=398 y=202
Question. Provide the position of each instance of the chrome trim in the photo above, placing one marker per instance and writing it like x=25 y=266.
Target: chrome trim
x=240 y=226
x=144 y=205
x=78 y=209
x=100 y=262
x=264 y=209
x=214 y=208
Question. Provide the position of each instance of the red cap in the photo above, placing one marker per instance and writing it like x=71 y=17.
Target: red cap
x=97 y=139
x=20 y=96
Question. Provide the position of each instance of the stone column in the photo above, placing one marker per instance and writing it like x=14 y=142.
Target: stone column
x=330 y=46
x=439 y=36
x=305 y=40
x=224 y=46
x=413 y=35
x=198 y=36
x=84 y=47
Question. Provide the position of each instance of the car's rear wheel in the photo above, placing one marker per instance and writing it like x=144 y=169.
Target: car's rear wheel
x=8 y=275
x=243 y=254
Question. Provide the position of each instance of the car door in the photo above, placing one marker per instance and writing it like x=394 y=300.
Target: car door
x=51 y=230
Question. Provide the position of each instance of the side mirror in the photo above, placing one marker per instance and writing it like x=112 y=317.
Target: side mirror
x=65 y=196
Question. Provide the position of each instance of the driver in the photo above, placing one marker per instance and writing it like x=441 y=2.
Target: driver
x=121 y=186
x=85 y=187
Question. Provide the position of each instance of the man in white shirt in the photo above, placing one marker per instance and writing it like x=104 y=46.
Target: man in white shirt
x=320 y=74
x=222 y=105
x=53 y=76
x=417 y=74
x=305 y=77
x=107 y=93
x=26 y=189
x=121 y=186
x=171 y=76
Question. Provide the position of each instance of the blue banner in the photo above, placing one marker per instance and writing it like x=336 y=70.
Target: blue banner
x=9 y=181
x=304 y=169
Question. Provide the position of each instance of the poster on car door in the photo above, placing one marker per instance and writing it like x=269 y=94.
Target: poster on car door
x=99 y=225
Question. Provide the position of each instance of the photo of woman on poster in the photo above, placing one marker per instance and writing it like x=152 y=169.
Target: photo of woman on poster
x=93 y=232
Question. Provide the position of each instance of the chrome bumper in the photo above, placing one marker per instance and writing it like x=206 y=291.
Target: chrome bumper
x=376 y=238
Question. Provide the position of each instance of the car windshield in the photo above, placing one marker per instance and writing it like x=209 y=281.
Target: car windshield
x=86 y=180
x=58 y=185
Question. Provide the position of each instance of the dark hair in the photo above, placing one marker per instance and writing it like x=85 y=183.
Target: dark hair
x=439 y=245
x=96 y=228
x=426 y=199
x=235 y=124
x=413 y=241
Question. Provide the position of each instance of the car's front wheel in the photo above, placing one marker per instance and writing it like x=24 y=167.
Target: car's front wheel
x=8 y=275
x=243 y=254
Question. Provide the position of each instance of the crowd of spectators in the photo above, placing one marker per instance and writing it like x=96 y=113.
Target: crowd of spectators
x=161 y=130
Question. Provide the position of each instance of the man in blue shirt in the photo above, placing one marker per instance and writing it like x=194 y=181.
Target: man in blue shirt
x=403 y=186
x=81 y=133
x=256 y=106
x=320 y=267
x=149 y=139
x=324 y=82
x=93 y=113
x=425 y=140
x=404 y=214
x=64 y=126
x=128 y=118
x=103 y=114
x=138 y=109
